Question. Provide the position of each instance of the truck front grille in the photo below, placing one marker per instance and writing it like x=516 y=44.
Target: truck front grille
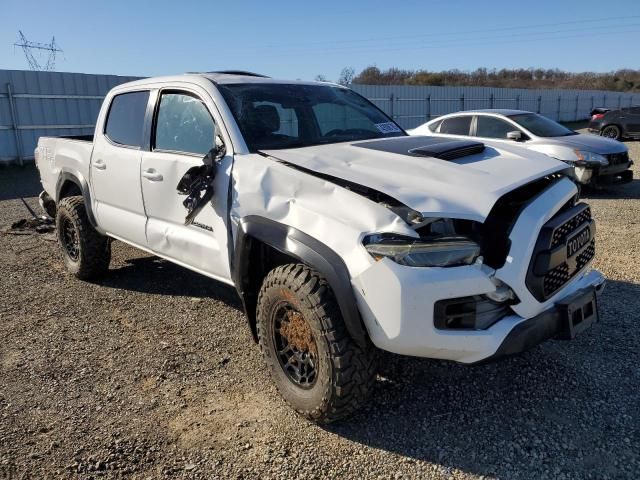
x=554 y=263
x=561 y=232
x=557 y=277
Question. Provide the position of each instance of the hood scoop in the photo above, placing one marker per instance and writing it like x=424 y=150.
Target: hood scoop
x=434 y=147
x=449 y=150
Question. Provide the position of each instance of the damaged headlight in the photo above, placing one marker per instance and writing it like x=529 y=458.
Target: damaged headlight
x=590 y=158
x=444 y=251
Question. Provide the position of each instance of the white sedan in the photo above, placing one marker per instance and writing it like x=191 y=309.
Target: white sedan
x=596 y=160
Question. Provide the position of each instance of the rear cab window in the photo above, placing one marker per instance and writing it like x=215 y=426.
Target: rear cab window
x=456 y=125
x=125 y=120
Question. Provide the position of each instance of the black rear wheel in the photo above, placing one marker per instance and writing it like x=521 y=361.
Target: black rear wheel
x=317 y=367
x=611 y=131
x=85 y=252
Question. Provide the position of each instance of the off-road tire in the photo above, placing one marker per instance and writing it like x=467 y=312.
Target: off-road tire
x=93 y=249
x=611 y=131
x=345 y=371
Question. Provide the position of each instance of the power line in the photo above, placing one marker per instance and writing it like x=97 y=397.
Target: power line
x=479 y=41
x=28 y=47
x=458 y=33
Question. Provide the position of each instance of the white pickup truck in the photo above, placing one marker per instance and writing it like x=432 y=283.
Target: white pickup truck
x=341 y=234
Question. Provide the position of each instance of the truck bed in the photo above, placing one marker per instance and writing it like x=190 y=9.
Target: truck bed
x=82 y=138
x=54 y=155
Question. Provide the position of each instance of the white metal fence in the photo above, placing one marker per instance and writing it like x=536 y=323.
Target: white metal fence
x=411 y=106
x=33 y=104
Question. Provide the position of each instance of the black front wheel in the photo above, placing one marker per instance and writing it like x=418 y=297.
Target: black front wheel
x=317 y=367
x=611 y=131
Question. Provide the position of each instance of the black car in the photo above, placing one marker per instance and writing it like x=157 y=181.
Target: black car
x=617 y=124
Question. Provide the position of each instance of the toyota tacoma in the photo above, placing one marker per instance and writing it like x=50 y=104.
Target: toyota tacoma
x=341 y=234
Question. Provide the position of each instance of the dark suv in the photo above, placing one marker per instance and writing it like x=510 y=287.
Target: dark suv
x=618 y=124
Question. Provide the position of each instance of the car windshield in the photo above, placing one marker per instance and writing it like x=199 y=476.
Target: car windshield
x=541 y=126
x=275 y=116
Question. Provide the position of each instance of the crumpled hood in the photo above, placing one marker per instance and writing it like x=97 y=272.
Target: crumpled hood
x=466 y=187
x=589 y=143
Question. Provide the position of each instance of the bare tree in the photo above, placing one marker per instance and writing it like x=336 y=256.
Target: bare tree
x=346 y=76
x=625 y=80
x=320 y=78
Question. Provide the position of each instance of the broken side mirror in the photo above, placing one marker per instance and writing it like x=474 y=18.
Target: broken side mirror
x=516 y=135
x=197 y=182
x=217 y=153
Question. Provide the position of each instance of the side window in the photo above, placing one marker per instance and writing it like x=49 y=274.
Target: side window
x=125 y=119
x=183 y=124
x=456 y=125
x=491 y=127
x=434 y=126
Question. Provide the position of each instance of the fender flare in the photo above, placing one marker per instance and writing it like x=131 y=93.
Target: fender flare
x=77 y=179
x=307 y=250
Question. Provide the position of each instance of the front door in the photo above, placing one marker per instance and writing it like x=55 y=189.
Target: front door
x=183 y=133
x=115 y=168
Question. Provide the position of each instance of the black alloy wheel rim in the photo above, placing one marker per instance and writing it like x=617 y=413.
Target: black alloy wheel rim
x=295 y=346
x=70 y=240
x=610 y=132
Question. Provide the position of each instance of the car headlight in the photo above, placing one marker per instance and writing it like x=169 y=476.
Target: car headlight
x=443 y=251
x=591 y=157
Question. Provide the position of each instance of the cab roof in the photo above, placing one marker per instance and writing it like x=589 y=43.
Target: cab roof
x=235 y=76
x=498 y=111
x=223 y=77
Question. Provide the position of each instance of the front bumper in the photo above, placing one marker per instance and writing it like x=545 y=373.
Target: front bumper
x=552 y=323
x=613 y=174
x=397 y=303
x=605 y=175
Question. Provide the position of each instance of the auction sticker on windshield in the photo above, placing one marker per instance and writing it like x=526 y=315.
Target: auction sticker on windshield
x=387 y=127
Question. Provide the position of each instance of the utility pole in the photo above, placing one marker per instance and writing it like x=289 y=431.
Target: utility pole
x=32 y=49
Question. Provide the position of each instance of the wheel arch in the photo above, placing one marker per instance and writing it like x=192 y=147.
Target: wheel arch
x=257 y=236
x=73 y=183
x=619 y=126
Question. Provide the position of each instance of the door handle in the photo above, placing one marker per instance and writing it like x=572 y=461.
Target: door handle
x=151 y=174
x=100 y=165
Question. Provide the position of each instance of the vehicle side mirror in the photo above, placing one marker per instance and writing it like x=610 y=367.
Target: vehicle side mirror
x=197 y=182
x=516 y=135
x=217 y=153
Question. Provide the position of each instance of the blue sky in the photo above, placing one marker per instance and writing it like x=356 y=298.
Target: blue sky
x=298 y=39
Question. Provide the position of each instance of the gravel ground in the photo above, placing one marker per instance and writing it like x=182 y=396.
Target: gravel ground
x=151 y=373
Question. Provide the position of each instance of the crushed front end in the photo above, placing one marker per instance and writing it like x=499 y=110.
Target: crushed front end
x=530 y=281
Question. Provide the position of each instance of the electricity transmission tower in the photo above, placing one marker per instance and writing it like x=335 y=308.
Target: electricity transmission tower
x=29 y=48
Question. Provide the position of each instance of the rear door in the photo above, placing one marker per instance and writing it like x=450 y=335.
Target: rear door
x=182 y=134
x=633 y=121
x=115 y=168
x=458 y=126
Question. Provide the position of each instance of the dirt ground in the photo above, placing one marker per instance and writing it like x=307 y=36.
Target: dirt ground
x=151 y=373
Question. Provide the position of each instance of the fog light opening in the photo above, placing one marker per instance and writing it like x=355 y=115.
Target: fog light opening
x=477 y=312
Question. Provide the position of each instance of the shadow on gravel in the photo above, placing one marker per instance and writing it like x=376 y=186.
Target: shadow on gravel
x=563 y=407
x=628 y=191
x=156 y=276
x=16 y=182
